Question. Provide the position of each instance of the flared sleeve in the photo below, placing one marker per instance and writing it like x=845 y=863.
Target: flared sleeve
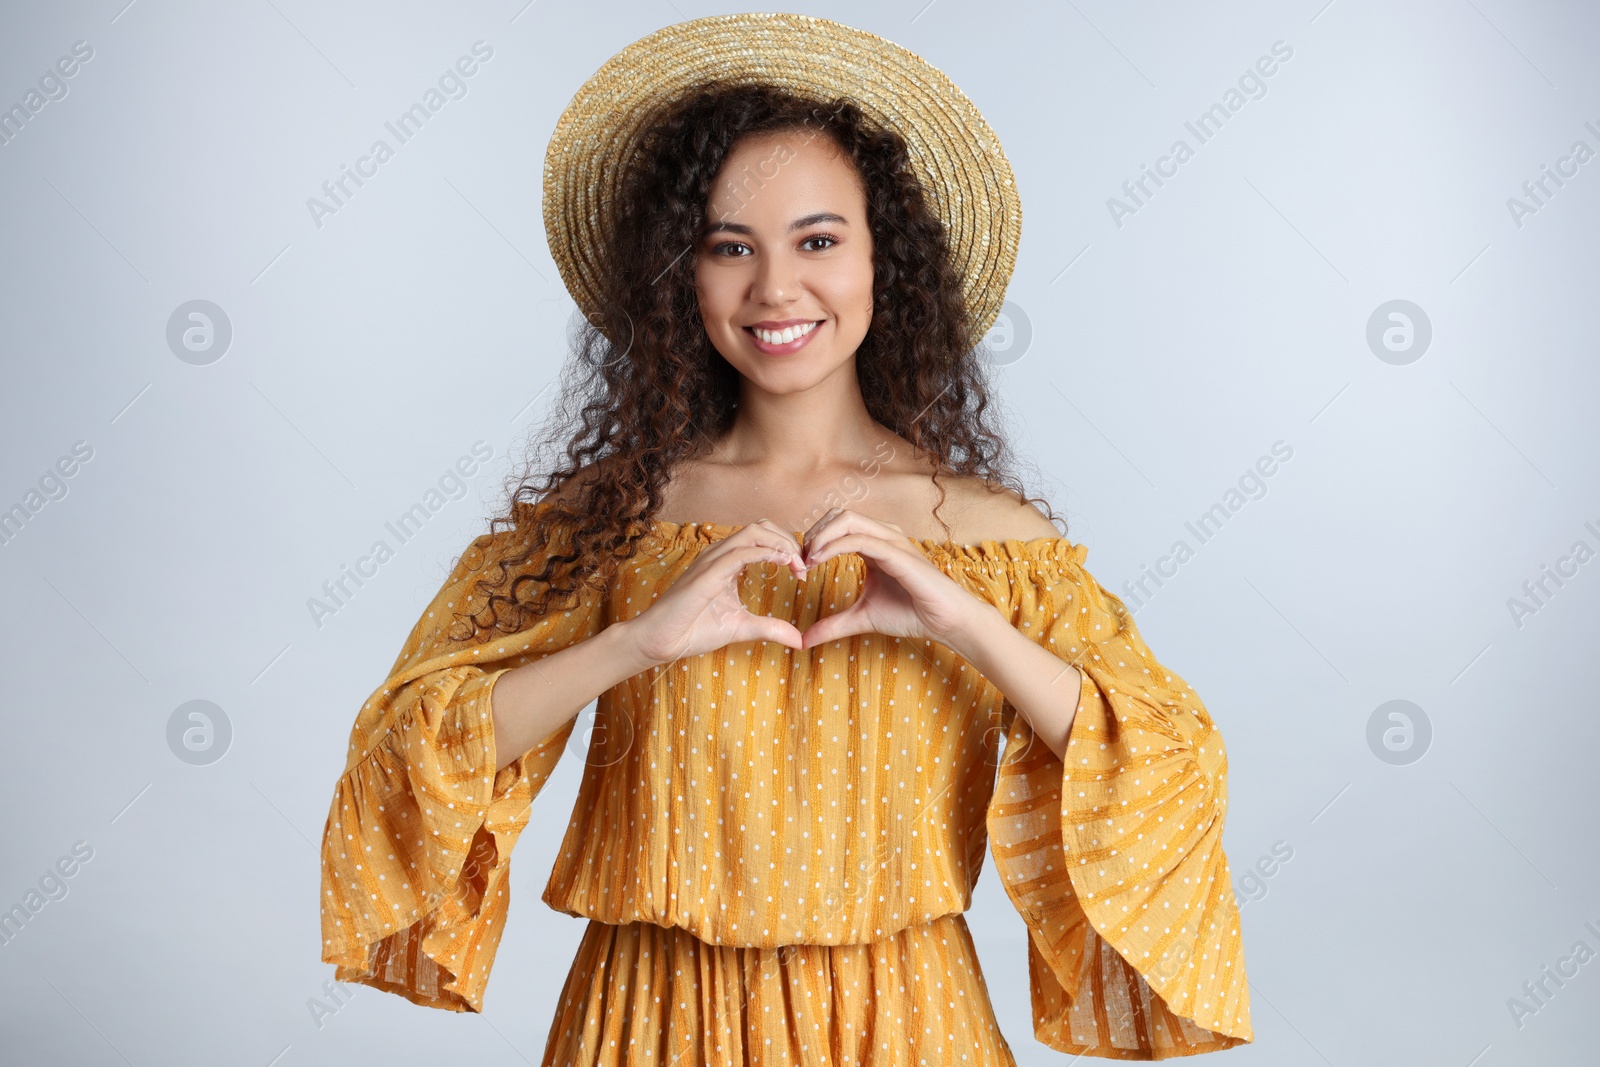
x=1113 y=855
x=416 y=850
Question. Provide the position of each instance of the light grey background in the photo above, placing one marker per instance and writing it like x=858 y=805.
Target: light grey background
x=1167 y=355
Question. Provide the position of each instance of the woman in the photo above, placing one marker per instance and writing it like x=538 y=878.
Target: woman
x=801 y=705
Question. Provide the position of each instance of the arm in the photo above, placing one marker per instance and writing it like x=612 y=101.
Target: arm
x=1113 y=851
x=417 y=844
x=1043 y=688
x=701 y=612
x=531 y=702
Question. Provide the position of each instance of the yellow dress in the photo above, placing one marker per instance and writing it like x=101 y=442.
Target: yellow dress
x=775 y=848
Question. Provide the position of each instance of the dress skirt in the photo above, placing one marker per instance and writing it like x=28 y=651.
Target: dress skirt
x=642 y=994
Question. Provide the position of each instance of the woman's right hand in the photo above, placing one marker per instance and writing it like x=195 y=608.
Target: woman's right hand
x=702 y=611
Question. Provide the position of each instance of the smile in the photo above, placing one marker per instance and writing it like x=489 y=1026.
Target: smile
x=784 y=341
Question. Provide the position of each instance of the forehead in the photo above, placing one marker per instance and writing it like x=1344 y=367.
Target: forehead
x=779 y=175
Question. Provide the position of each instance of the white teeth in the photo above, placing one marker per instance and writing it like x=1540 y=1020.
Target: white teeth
x=783 y=336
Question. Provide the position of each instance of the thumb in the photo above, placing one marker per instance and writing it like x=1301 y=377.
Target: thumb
x=784 y=633
x=832 y=627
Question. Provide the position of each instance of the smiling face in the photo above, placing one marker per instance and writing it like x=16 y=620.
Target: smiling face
x=783 y=269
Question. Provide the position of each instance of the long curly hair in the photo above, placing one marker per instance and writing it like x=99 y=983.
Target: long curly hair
x=646 y=389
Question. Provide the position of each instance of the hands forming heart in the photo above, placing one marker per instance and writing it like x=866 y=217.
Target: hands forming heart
x=902 y=595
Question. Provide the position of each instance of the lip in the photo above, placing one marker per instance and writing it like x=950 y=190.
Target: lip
x=778 y=324
x=785 y=349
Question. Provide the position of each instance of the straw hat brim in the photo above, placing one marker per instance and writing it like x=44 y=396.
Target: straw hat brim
x=954 y=152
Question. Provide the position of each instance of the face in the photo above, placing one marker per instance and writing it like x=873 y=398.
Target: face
x=786 y=248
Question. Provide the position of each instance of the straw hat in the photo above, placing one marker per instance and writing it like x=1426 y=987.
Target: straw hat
x=955 y=154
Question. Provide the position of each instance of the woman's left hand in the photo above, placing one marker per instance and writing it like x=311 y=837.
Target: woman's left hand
x=903 y=594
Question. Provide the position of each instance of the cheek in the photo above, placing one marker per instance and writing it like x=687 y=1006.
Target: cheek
x=714 y=300
x=856 y=293
x=849 y=289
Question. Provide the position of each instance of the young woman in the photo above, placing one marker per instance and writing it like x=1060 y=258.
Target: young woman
x=834 y=645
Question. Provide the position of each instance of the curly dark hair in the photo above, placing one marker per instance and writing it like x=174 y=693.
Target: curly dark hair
x=646 y=389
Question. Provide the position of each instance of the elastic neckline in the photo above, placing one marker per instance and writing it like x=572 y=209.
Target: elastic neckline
x=989 y=551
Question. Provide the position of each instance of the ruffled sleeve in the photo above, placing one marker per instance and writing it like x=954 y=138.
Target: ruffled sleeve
x=416 y=849
x=1114 y=855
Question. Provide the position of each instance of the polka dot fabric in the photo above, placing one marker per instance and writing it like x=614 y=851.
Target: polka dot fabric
x=417 y=844
x=819 y=815
x=1114 y=855
x=645 y=994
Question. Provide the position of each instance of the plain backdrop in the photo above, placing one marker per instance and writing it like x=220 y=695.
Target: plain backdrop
x=1426 y=534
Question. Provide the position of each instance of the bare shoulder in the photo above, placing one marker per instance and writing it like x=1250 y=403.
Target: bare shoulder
x=996 y=513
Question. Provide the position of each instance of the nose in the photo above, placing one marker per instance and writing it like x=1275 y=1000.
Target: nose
x=776 y=280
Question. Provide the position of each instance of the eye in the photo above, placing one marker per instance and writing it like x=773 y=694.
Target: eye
x=720 y=249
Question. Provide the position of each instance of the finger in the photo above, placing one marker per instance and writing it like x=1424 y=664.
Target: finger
x=748 y=626
x=797 y=566
x=894 y=557
x=730 y=561
x=762 y=532
x=780 y=631
x=753 y=536
x=846 y=623
x=844 y=524
x=787 y=536
x=814 y=531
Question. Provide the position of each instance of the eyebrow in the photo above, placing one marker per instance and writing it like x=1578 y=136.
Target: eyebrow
x=797 y=224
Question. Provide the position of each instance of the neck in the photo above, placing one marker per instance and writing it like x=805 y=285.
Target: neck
x=798 y=435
